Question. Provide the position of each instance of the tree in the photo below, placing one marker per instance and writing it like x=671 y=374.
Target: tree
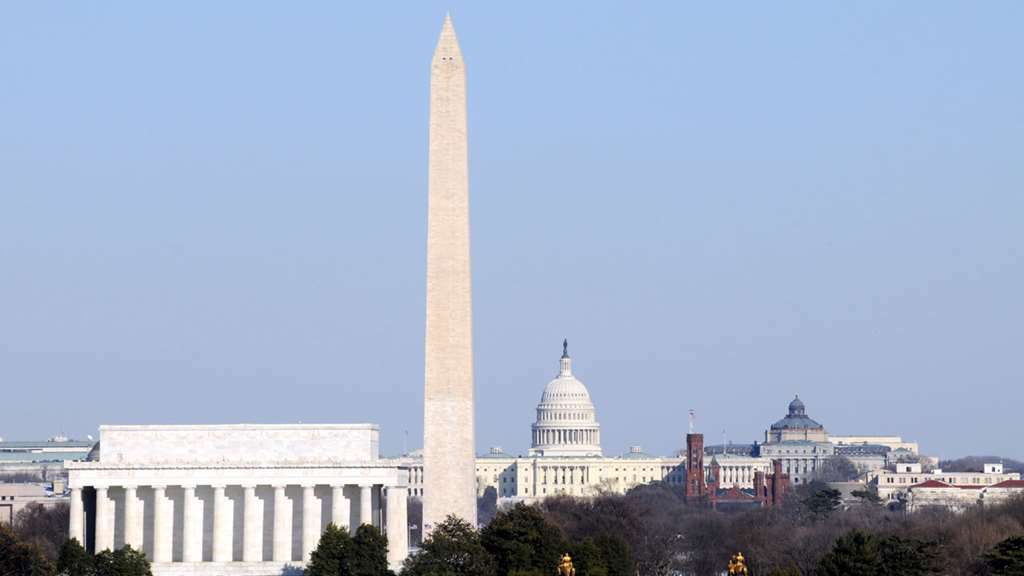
x=19 y=558
x=73 y=560
x=853 y=554
x=906 y=557
x=125 y=561
x=452 y=549
x=369 y=552
x=44 y=526
x=821 y=500
x=867 y=496
x=837 y=469
x=588 y=559
x=1007 y=557
x=331 y=556
x=618 y=558
x=522 y=540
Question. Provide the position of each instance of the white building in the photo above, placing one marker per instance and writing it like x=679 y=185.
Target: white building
x=566 y=420
x=893 y=485
x=42 y=459
x=15 y=497
x=933 y=493
x=799 y=442
x=893 y=443
x=565 y=456
x=235 y=499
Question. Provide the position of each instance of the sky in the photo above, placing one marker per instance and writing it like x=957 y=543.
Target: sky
x=216 y=213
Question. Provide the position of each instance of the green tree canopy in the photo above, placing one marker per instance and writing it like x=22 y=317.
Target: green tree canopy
x=617 y=556
x=906 y=557
x=73 y=560
x=125 y=561
x=1007 y=557
x=331 y=556
x=822 y=500
x=369 y=552
x=21 y=558
x=853 y=554
x=588 y=559
x=521 y=539
x=452 y=549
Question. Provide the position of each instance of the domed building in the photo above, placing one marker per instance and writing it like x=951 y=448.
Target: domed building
x=799 y=441
x=566 y=420
x=565 y=455
x=797 y=425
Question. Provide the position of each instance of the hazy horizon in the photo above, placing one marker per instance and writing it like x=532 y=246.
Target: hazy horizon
x=217 y=214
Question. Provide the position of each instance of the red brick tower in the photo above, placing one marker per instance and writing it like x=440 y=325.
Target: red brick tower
x=779 y=483
x=760 y=492
x=696 y=489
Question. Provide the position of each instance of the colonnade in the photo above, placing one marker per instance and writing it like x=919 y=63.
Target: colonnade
x=549 y=436
x=565 y=474
x=163 y=532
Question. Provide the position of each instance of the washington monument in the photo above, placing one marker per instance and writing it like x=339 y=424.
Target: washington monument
x=449 y=457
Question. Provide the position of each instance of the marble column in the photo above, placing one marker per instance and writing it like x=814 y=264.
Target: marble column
x=282 y=525
x=397 y=526
x=163 y=521
x=366 y=504
x=192 y=529
x=252 y=529
x=222 y=520
x=310 y=521
x=104 y=521
x=76 y=523
x=132 y=519
x=340 y=510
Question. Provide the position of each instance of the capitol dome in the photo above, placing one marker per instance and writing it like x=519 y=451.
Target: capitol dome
x=566 y=420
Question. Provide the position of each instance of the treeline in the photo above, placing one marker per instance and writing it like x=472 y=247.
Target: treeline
x=651 y=531
x=809 y=533
x=36 y=544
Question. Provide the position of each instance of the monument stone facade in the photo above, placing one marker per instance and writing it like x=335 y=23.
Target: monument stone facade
x=235 y=499
x=448 y=421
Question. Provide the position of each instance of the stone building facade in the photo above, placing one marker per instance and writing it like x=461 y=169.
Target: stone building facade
x=893 y=485
x=800 y=443
x=235 y=499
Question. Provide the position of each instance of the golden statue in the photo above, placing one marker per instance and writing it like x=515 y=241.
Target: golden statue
x=737 y=566
x=565 y=568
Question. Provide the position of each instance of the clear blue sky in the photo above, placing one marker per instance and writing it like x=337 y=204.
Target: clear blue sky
x=216 y=212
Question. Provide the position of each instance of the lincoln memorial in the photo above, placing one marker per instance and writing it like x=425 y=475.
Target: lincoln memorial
x=235 y=499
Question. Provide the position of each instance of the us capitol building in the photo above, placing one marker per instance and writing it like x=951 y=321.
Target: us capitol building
x=565 y=455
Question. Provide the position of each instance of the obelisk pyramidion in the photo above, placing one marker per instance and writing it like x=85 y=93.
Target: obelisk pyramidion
x=449 y=459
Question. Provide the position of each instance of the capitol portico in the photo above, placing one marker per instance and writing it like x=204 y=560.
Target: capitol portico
x=228 y=499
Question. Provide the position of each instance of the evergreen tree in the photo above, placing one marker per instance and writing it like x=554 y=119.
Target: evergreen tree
x=853 y=554
x=823 y=500
x=905 y=557
x=1007 y=557
x=369 y=552
x=332 y=553
x=588 y=559
x=521 y=540
x=21 y=558
x=73 y=560
x=125 y=561
x=452 y=549
x=618 y=557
